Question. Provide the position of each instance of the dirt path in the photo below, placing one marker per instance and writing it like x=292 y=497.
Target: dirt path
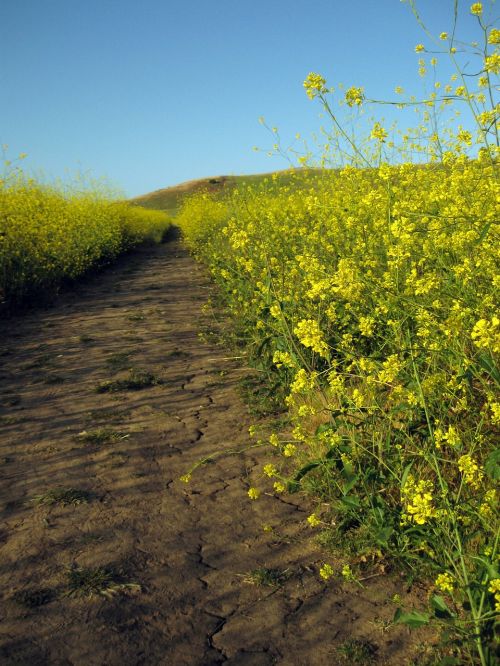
x=188 y=547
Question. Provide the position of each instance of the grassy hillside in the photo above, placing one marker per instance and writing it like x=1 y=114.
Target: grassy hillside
x=169 y=199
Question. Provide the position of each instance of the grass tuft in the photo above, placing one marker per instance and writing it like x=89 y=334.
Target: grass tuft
x=99 y=581
x=62 y=496
x=137 y=379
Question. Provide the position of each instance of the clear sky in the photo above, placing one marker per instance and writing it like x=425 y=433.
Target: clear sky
x=150 y=93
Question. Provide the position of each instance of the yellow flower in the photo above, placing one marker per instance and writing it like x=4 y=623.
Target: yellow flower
x=494 y=588
x=445 y=582
x=443 y=36
x=494 y=36
x=347 y=572
x=492 y=63
x=186 y=478
x=313 y=520
x=417 y=500
x=354 y=96
x=315 y=85
x=253 y=493
x=279 y=487
x=419 y=48
x=471 y=473
x=289 y=450
x=378 y=132
x=486 y=334
x=477 y=8
x=326 y=571
x=309 y=334
x=274 y=439
x=270 y=470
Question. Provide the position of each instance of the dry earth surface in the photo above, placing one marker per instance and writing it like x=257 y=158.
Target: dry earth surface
x=169 y=563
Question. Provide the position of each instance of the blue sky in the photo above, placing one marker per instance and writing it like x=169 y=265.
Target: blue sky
x=150 y=93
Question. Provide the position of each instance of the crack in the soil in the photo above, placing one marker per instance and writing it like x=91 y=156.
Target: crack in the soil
x=218 y=629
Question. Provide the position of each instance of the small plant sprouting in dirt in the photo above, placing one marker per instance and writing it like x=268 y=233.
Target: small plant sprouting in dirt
x=106 y=414
x=137 y=316
x=177 y=353
x=99 y=581
x=137 y=379
x=62 y=496
x=100 y=436
x=354 y=651
x=9 y=419
x=119 y=361
x=34 y=598
x=10 y=400
x=53 y=379
x=265 y=577
x=40 y=362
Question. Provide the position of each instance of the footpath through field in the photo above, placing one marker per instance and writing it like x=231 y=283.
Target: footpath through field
x=90 y=497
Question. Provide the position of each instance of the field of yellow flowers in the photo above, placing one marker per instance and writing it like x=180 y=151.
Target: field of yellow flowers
x=368 y=296
x=47 y=236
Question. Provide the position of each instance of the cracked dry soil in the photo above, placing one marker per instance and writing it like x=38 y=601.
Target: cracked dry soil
x=188 y=547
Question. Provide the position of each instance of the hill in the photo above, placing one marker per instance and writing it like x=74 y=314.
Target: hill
x=170 y=198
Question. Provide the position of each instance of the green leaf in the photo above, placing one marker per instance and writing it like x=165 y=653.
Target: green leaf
x=406 y=471
x=488 y=567
x=383 y=535
x=294 y=485
x=492 y=465
x=350 y=484
x=486 y=362
x=440 y=607
x=412 y=619
x=351 y=501
x=324 y=427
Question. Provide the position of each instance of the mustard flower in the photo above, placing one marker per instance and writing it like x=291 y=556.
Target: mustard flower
x=417 y=500
x=274 y=439
x=419 y=48
x=354 y=96
x=494 y=36
x=185 y=478
x=326 y=571
x=477 y=8
x=313 y=520
x=347 y=573
x=279 y=487
x=445 y=582
x=443 y=36
x=270 y=470
x=378 y=132
x=309 y=334
x=494 y=588
x=253 y=493
x=492 y=63
x=486 y=334
x=315 y=85
x=471 y=473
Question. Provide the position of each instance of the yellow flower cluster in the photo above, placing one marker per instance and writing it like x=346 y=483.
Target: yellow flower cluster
x=471 y=473
x=354 y=96
x=417 y=500
x=326 y=571
x=445 y=582
x=47 y=236
x=315 y=85
x=309 y=334
x=494 y=588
